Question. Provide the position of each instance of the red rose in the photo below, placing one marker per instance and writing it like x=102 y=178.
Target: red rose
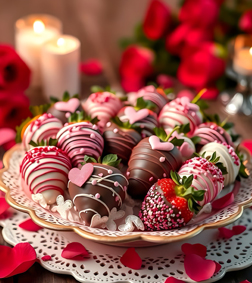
x=200 y=12
x=13 y=109
x=157 y=19
x=91 y=67
x=211 y=93
x=245 y=23
x=135 y=66
x=165 y=81
x=201 y=69
x=14 y=73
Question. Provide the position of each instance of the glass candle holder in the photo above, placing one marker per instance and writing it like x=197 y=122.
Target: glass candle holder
x=31 y=32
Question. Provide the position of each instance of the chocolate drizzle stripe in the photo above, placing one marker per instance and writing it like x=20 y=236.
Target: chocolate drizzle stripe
x=92 y=197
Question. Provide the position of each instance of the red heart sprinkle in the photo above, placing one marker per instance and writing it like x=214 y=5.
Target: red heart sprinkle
x=198 y=268
x=75 y=251
x=197 y=249
x=29 y=225
x=131 y=259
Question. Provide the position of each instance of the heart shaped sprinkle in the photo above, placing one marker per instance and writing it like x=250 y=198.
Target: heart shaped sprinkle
x=131 y=259
x=134 y=116
x=68 y=106
x=197 y=249
x=156 y=144
x=16 y=260
x=79 y=177
x=198 y=268
x=75 y=251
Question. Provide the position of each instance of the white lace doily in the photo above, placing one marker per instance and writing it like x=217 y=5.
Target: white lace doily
x=158 y=263
x=11 y=180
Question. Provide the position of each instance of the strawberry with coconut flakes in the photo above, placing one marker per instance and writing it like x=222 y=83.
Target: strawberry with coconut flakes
x=170 y=204
x=44 y=171
x=207 y=175
x=141 y=115
x=80 y=137
x=104 y=105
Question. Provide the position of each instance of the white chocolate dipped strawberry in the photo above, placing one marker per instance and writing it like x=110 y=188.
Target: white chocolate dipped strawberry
x=206 y=176
x=228 y=157
x=44 y=170
x=80 y=137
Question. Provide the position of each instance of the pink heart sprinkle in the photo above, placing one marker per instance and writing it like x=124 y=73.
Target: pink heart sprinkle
x=156 y=144
x=79 y=177
x=69 y=106
x=100 y=174
x=134 y=116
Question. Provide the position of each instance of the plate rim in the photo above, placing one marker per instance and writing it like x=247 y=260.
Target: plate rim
x=155 y=239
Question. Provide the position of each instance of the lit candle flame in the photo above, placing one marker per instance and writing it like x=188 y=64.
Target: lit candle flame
x=250 y=51
x=60 y=41
x=38 y=27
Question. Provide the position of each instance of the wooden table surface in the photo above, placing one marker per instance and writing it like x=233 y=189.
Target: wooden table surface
x=37 y=274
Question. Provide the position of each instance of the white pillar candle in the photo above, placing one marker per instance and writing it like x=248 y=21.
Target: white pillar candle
x=242 y=63
x=60 y=59
x=31 y=33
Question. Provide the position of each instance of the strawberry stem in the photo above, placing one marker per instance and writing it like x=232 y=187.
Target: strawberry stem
x=170 y=134
x=198 y=96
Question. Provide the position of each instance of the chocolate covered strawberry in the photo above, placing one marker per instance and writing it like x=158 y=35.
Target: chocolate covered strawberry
x=44 y=170
x=64 y=108
x=42 y=126
x=80 y=137
x=141 y=115
x=170 y=203
x=120 y=138
x=97 y=188
x=152 y=159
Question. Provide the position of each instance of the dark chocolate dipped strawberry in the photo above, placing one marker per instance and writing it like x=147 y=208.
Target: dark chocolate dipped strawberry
x=141 y=115
x=152 y=159
x=96 y=189
x=120 y=138
x=64 y=108
x=170 y=203
x=80 y=137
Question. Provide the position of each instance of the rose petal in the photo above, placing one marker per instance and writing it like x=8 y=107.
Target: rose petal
x=217 y=267
x=173 y=280
x=165 y=81
x=198 y=268
x=16 y=260
x=46 y=258
x=224 y=201
x=1 y=164
x=245 y=281
x=131 y=259
x=75 y=251
x=238 y=229
x=29 y=225
x=91 y=67
x=197 y=249
x=6 y=135
x=3 y=205
x=247 y=144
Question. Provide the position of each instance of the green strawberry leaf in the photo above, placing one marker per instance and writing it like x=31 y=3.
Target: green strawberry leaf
x=188 y=182
x=39 y=109
x=82 y=116
x=96 y=88
x=125 y=125
x=51 y=142
x=184 y=129
x=89 y=159
x=32 y=143
x=176 y=142
x=175 y=177
x=202 y=104
x=144 y=104
x=111 y=160
x=235 y=137
x=243 y=171
x=19 y=129
x=160 y=132
x=196 y=139
x=66 y=96
x=54 y=99
x=222 y=168
x=168 y=90
x=227 y=126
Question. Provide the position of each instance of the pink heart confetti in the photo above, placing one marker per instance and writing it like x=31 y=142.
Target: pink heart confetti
x=228 y=233
x=68 y=106
x=29 y=225
x=3 y=205
x=79 y=177
x=173 y=280
x=16 y=260
x=198 y=268
x=131 y=259
x=156 y=144
x=134 y=116
x=197 y=249
x=46 y=258
x=224 y=201
x=75 y=251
